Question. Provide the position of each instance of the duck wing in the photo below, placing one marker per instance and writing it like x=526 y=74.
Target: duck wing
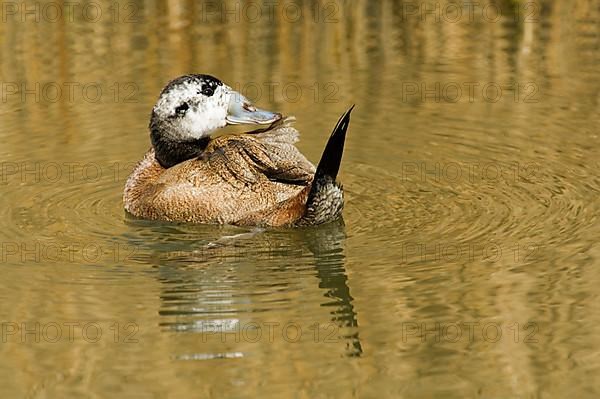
x=248 y=159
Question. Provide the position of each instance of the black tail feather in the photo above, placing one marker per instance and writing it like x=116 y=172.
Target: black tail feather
x=329 y=165
x=326 y=198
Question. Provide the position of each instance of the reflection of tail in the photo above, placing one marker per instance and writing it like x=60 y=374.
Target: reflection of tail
x=326 y=199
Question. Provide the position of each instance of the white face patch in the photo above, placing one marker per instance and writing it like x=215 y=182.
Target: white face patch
x=193 y=109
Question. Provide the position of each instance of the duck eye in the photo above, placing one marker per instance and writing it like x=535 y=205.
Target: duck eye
x=208 y=91
x=181 y=109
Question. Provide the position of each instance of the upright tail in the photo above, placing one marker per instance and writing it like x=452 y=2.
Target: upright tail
x=326 y=198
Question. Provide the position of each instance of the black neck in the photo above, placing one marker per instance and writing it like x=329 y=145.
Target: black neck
x=170 y=152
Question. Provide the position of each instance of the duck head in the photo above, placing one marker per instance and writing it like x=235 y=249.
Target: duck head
x=190 y=109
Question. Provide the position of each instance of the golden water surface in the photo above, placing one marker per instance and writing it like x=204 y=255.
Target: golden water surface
x=467 y=263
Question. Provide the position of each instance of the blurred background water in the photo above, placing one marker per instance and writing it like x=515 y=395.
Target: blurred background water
x=466 y=262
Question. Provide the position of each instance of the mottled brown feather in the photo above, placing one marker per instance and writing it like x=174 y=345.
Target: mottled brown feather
x=248 y=179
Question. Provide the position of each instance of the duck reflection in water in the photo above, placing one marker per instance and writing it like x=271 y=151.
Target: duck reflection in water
x=244 y=281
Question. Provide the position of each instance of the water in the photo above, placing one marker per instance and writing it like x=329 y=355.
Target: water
x=467 y=259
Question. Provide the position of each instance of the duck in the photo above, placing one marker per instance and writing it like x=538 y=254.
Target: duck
x=255 y=178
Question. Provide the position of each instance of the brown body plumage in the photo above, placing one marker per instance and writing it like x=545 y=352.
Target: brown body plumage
x=249 y=179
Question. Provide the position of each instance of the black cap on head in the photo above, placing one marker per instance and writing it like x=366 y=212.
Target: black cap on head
x=209 y=83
